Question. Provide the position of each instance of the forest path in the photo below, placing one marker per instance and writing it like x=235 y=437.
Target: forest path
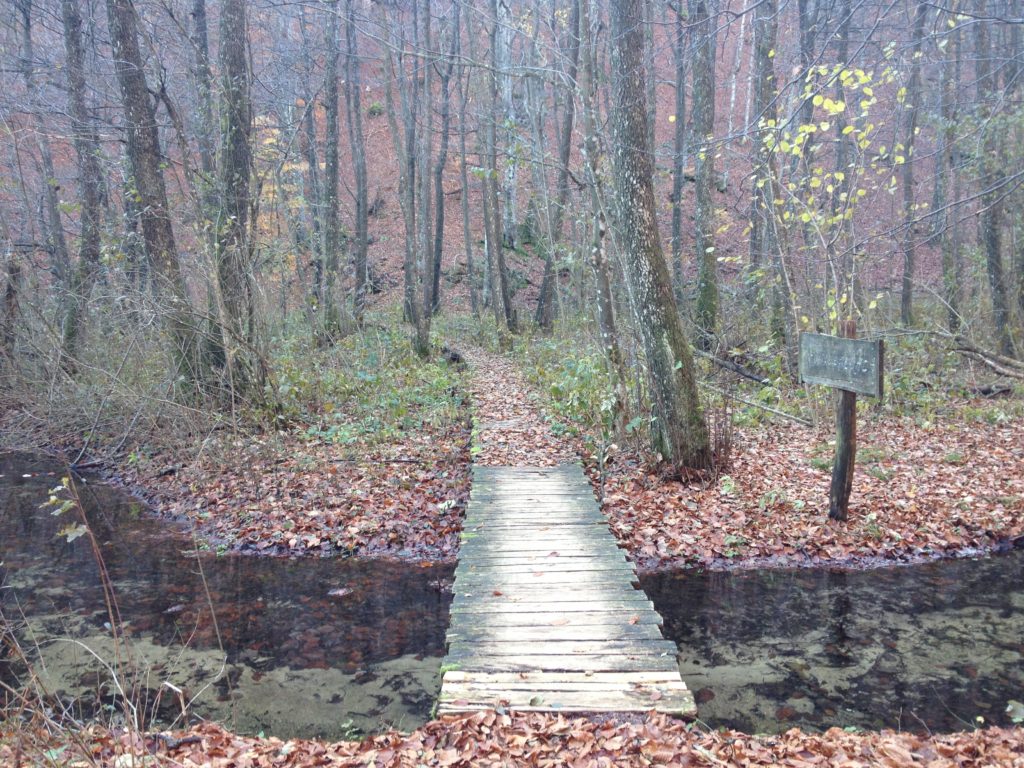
x=546 y=615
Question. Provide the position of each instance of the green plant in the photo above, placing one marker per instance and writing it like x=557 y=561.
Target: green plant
x=734 y=545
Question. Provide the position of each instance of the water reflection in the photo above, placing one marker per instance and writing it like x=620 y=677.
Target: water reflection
x=308 y=643
x=927 y=647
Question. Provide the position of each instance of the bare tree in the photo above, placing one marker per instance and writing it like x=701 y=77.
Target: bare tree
x=915 y=96
x=544 y=316
x=704 y=20
x=357 y=141
x=54 y=227
x=332 y=223
x=234 y=277
x=90 y=182
x=991 y=181
x=681 y=433
x=143 y=150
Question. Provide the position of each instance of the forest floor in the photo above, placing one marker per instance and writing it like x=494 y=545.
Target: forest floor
x=952 y=486
x=489 y=738
x=921 y=490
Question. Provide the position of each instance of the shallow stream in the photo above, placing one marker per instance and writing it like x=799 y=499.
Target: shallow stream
x=334 y=648
x=310 y=647
x=927 y=647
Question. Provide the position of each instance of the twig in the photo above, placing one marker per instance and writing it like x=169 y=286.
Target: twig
x=995 y=366
x=762 y=406
x=734 y=367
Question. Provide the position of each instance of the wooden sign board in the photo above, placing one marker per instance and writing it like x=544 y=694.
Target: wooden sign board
x=853 y=365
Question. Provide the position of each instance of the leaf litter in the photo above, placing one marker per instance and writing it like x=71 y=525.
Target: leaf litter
x=489 y=738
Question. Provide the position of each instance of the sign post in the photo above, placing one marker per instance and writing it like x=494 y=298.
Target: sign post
x=852 y=366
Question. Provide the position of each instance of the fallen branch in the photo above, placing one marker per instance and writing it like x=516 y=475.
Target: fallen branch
x=962 y=345
x=729 y=365
x=1000 y=368
x=762 y=406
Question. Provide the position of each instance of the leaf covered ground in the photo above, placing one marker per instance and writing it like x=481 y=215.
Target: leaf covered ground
x=491 y=739
x=293 y=496
x=923 y=488
x=509 y=429
x=919 y=492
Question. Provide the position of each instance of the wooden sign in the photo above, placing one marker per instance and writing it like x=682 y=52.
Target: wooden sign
x=853 y=365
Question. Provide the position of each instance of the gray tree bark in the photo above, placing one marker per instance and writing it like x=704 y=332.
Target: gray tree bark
x=704 y=20
x=234 y=181
x=54 y=227
x=681 y=433
x=357 y=141
x=990 y=182
x=914 y=95
x=143 y=149
x=90 y=182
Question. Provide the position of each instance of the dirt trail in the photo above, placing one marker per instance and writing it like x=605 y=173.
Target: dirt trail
x=509 y=427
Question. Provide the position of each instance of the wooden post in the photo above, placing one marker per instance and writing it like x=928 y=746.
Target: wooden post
x=846 y=444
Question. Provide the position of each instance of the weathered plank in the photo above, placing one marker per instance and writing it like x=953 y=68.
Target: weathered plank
x=546 y=614
x=495 y=648
x=574 y=663
x=554 y=616
x=545 y=634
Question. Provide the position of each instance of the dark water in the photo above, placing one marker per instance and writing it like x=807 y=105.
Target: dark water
x=315 y=647
x=927 y=647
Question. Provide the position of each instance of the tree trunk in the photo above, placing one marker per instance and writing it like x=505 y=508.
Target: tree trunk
x=234 y=278
x=313 y=191
x=87 y=151
x=408 y=150
x=500 y=296
x=915 y=95
x=442 y=161
x=545 y=301
x=9 y=308
x=949 y=174
x=332 y=227
x=204 y=79
x=504 y=27
x=706 y=314
x=54 y=227
x=474 y=301
x=598 y=259
x=678 y=152
x=143 y=149
x=762 y=213
x=681 y=432
x=354 y=113
x=991 y=181
x=424 y=149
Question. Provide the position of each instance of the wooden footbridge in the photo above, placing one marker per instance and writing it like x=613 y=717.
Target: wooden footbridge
x=546 y=615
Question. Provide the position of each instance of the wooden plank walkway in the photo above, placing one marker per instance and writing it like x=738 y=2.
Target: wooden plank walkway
x=546 y=615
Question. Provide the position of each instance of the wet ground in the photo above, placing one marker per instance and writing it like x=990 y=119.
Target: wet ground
x=928 y=647
x=311 y=647
x=333 y=648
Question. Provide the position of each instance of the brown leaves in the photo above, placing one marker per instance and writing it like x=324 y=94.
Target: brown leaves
x=918 y=493
x=488 y=738
x=291 y=496
x=509 y=428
